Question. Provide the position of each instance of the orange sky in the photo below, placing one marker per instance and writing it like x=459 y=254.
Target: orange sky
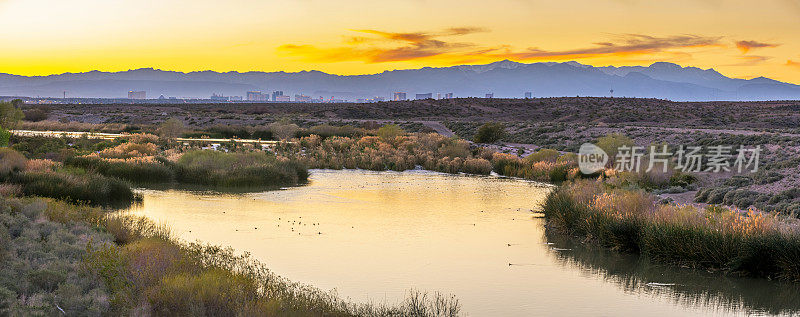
x=738 y=38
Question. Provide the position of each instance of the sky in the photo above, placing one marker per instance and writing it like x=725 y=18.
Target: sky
x=742 y=39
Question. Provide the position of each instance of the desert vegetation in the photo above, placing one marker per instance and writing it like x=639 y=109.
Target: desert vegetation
x=389 y=149
x=71 y=259
x=745 y=242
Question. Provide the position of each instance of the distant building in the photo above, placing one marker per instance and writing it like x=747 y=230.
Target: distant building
x=235 y=98
x=302 y=98
x=448 y=95
x=398 y=96
x=220 y=97
x=256 y=96
x=528 y=95
x=489 y=95
x=379 y=99
x=282 y=98
x=276 y=94
x=161 y=97
x=423 y=96
x=137 y=94
x=438 y=95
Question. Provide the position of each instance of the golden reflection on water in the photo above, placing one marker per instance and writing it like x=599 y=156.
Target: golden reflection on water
x=372 y=236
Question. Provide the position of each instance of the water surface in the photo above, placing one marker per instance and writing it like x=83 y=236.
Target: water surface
x=372 y=236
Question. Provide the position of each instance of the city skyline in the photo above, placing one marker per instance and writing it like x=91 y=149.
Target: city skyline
x=737 y=38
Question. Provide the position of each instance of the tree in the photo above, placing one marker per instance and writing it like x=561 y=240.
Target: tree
x=10 y=114
x=171 y=128
x=5 y=136
x=490 y=132
x=611 y=144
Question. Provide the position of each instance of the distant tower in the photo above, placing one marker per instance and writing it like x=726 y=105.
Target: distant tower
x=65 y=94
x=612 y=93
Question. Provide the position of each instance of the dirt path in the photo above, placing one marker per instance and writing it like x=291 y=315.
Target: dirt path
x=439 y=128
x=717 y=131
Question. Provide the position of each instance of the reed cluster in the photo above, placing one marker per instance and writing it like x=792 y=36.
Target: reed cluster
x=537 y=166
x=46 y=178
x=397 y=152
x=238 y=169
x=747 y=242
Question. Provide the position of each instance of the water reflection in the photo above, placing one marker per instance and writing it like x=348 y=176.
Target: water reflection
x=372 y=236
x=683 y=286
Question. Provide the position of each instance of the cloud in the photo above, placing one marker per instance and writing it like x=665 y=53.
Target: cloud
x=626 y=44
x=750 y=60
x=404 y=46
x=792 y=63
x=376 y=46
x=746 y=46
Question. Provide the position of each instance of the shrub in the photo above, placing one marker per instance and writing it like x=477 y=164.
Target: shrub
x=129 y=150
x=11 y=161
x=543 y=155
x=171 y=128
x=10 y=114
x=390 y=132
x=36 y=114
x=326 y=131
x=611 y=144
x=283 y=131
x=490 y=133
x=5 y=137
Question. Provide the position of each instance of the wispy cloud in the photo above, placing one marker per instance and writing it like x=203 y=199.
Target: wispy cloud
x=792 y=63
x=746 y=46
x=387 y=46
x=750 y=60
x=446 y=47
x=625 y=44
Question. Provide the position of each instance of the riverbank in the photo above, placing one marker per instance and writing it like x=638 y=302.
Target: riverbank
x=749 y=243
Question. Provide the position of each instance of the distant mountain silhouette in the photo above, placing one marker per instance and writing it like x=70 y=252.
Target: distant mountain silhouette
x=503 y=78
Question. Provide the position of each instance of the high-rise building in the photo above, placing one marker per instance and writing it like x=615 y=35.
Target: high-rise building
x=448 y=95
x=423 y=96
x=141 y=94
x=528 y=95
x=438 y=95
x=220 y=97
x=276 y=94
x=282 y=98
x=256 y=96
x=490 y=95
x=398 y=96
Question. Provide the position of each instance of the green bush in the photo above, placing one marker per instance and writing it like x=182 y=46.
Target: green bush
x=5 y=136
x=490 y=132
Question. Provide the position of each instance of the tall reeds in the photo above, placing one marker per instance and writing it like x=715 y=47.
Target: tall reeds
x=747 y=242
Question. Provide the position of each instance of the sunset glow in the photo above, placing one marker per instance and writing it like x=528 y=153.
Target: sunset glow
x=741 y=39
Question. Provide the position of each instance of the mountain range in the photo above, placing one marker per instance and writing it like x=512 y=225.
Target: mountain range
x=503 y=79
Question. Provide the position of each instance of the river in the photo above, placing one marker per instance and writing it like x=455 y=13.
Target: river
x=373 y=236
